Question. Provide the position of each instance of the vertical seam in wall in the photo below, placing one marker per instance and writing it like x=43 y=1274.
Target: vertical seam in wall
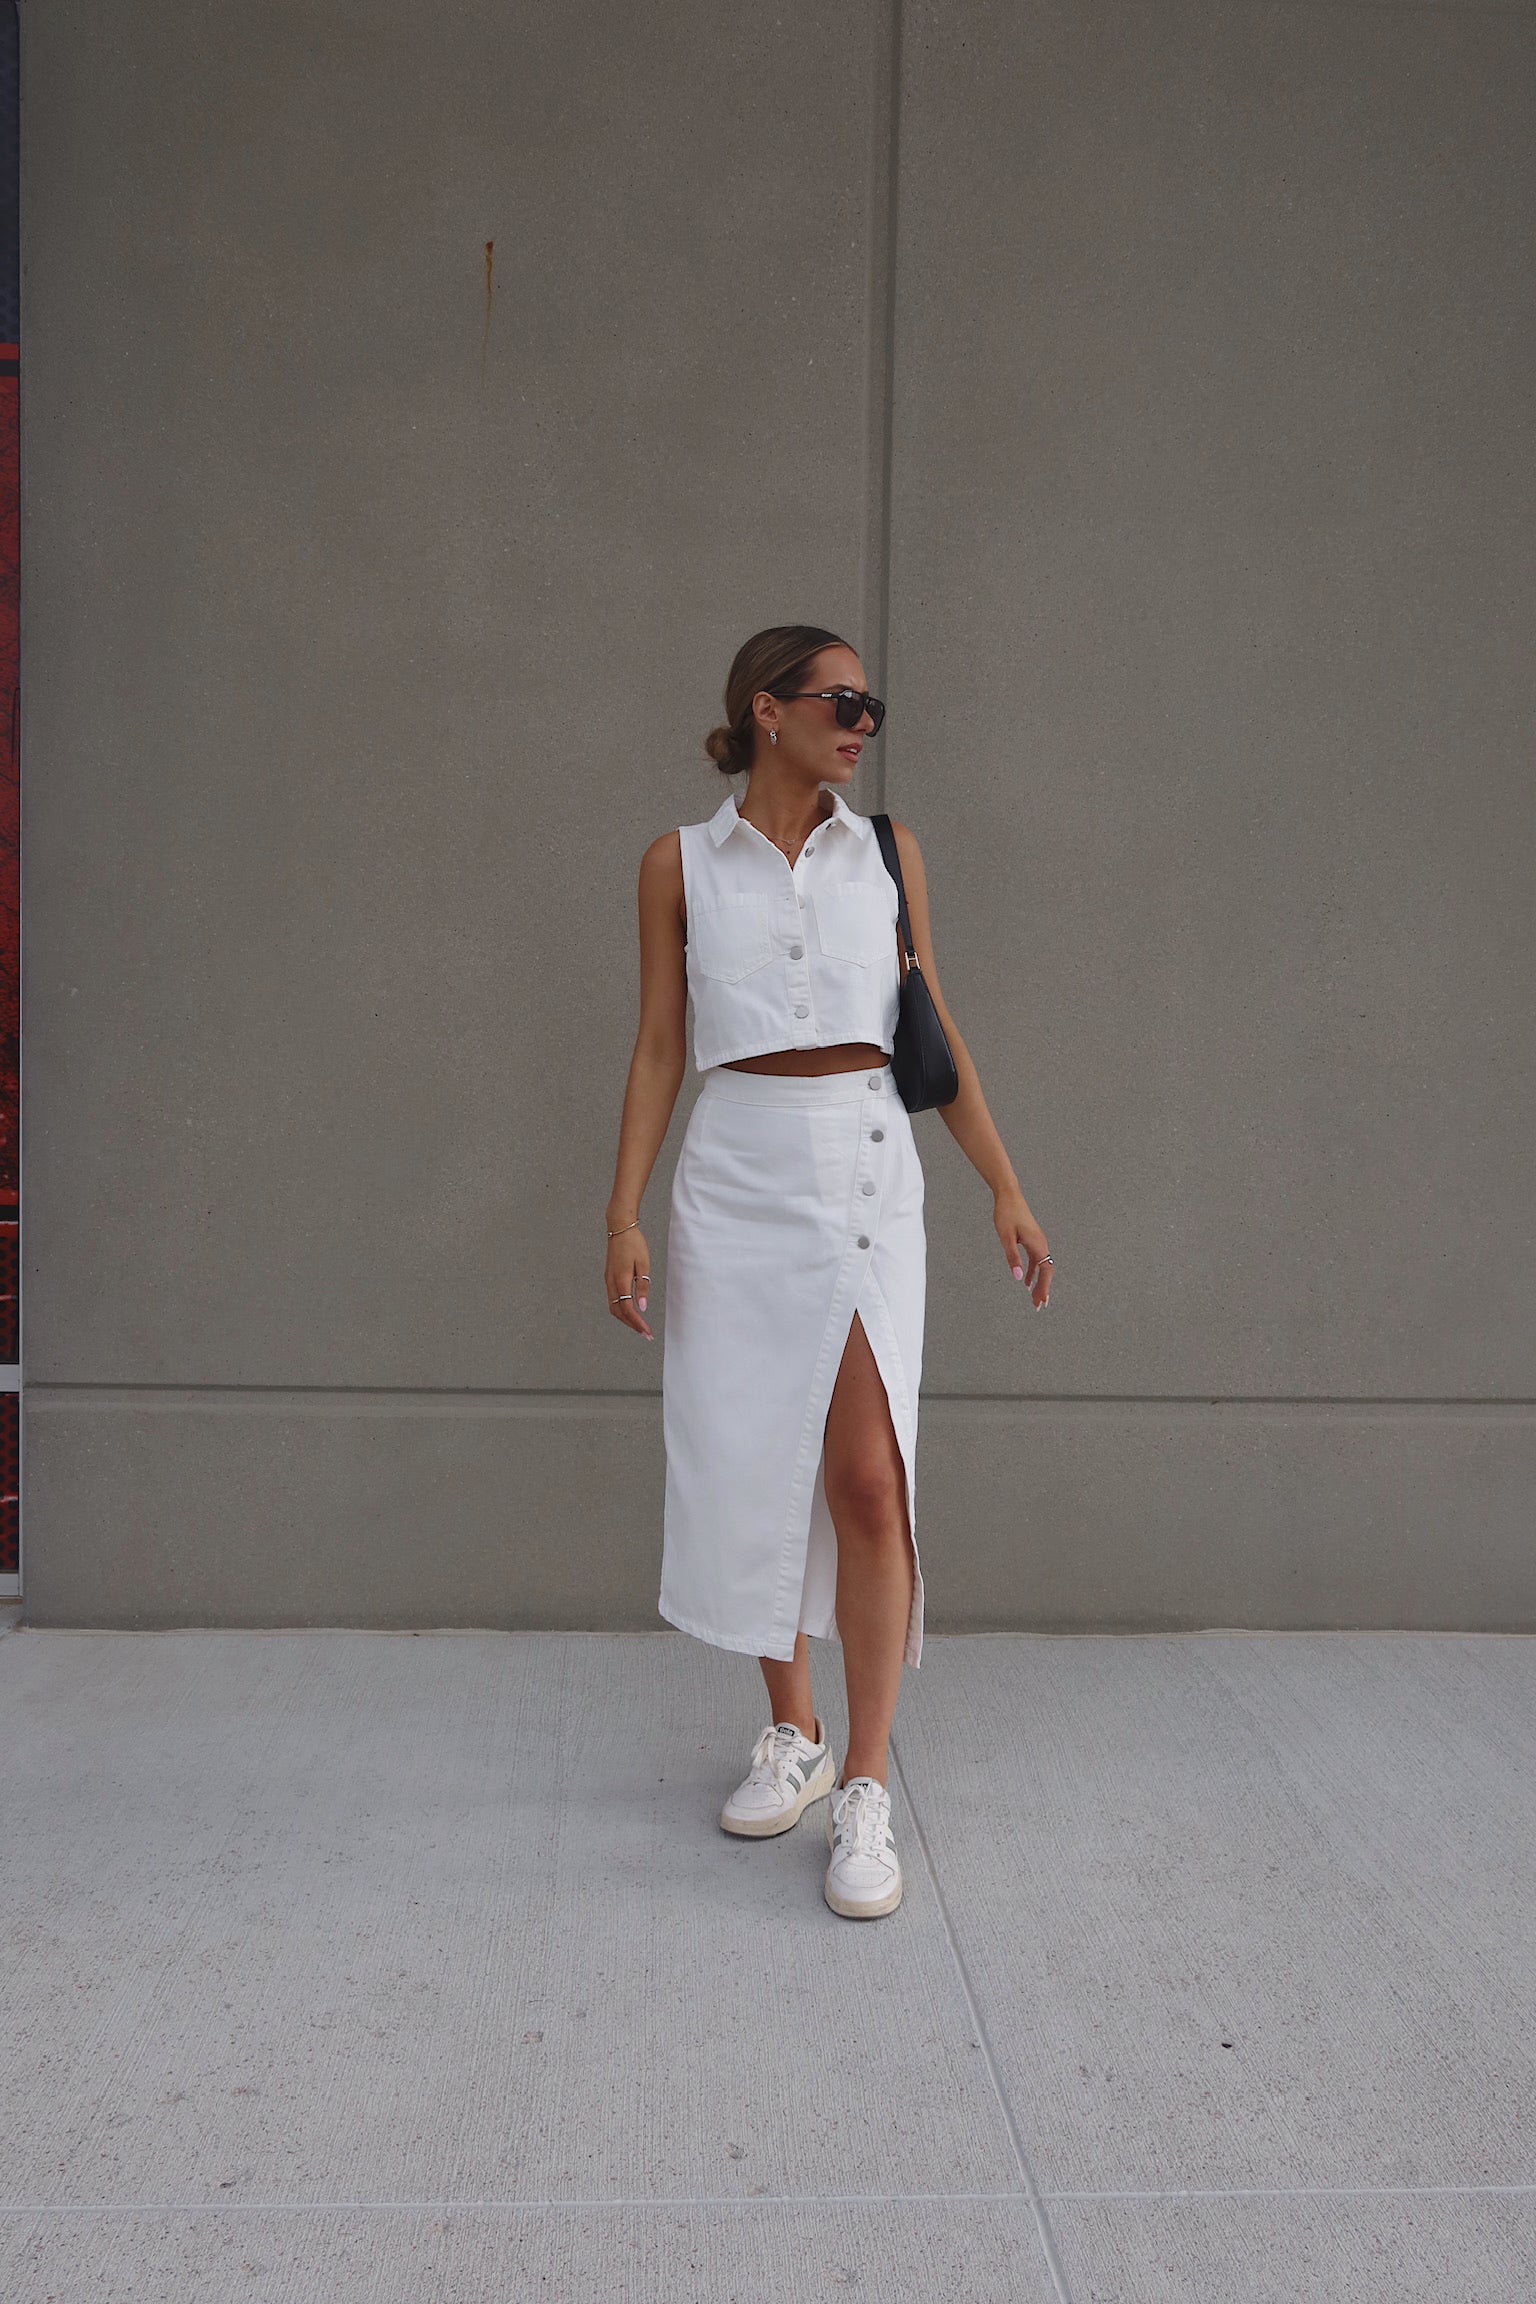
x=885 y=170
x=1030 y=2188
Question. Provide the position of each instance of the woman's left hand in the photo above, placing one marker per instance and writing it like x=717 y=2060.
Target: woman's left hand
x=1021 y=1235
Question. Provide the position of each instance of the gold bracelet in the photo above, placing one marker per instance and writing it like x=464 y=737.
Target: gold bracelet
x=624 y=1228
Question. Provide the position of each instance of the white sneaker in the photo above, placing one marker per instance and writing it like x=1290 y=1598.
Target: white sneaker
x=864 y=1876
x=787 y=1773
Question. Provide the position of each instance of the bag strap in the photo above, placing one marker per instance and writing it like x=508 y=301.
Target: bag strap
x=887 y=840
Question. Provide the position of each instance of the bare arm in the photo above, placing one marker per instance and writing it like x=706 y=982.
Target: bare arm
x=655 y=1075
x=967 y=1118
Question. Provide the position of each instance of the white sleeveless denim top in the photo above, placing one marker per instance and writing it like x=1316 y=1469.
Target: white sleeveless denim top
x=782 y=956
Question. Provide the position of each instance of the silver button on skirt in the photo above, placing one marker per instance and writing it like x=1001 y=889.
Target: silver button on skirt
x=796 y=1203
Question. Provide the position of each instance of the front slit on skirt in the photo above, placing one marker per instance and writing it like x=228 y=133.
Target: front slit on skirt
x=796 y=1203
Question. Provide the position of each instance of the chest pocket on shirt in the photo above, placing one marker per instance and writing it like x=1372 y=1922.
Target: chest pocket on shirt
x=854 y=921
x=731 y=937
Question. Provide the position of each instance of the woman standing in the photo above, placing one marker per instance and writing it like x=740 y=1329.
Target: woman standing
x=797 y=1257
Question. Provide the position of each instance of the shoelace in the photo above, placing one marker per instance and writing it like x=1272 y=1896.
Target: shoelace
x=772 y=1753
x=861 y=1820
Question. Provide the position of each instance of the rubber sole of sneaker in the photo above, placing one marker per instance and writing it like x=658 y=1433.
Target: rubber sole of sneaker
x=861 y=1911
x=770 y=1827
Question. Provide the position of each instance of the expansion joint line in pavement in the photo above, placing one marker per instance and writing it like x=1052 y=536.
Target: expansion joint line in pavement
x=1030 y=2188
x=665 y=2203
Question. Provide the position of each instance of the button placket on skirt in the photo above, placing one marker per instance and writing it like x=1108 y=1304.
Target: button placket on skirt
x=854 y=1278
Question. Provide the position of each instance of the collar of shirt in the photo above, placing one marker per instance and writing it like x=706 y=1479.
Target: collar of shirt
x=727 y=816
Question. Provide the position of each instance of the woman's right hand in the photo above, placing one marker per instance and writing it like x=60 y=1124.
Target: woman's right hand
x=628 y=1279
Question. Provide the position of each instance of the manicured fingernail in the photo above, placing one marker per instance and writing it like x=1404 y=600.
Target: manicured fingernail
x=642 y=1303
x=1018 y=1271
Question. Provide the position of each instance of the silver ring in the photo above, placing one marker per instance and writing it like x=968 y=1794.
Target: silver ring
x=1048 y=1260
x=621 y=1299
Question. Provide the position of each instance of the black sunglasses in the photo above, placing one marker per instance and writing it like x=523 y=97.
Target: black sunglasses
x=851 y=704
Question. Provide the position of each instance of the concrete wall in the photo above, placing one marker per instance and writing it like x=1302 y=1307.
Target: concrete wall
x=1149 y=394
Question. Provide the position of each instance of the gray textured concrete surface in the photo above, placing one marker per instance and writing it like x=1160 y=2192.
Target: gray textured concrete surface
x=354 y=1966
x=527 y=1512
x=1212 y=488
x=1149 y=396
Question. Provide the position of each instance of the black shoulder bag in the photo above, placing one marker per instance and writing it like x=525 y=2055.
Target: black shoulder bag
x=921 y=1063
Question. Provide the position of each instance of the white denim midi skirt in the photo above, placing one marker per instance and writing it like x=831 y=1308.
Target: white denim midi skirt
x=796 y=1203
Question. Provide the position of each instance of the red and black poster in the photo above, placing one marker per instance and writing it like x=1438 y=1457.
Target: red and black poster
x=10 y=806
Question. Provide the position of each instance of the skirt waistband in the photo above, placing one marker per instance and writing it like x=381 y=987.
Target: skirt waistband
x=799 y=1088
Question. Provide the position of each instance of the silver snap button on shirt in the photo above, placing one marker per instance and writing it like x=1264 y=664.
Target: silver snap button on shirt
x=868 y=1188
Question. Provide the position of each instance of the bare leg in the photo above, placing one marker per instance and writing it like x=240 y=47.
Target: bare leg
x=867 y=1493
x=789 y=1688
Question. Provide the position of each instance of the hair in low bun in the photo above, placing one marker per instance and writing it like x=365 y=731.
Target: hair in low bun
x=775 y=659
x=728 y=750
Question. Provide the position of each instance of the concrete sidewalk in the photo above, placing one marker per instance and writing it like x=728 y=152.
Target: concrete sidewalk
x=344 y=1966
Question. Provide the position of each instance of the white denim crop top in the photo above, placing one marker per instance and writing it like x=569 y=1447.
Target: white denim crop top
x=788 y=956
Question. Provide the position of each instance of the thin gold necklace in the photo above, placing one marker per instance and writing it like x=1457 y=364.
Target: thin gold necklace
x=783 y=847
